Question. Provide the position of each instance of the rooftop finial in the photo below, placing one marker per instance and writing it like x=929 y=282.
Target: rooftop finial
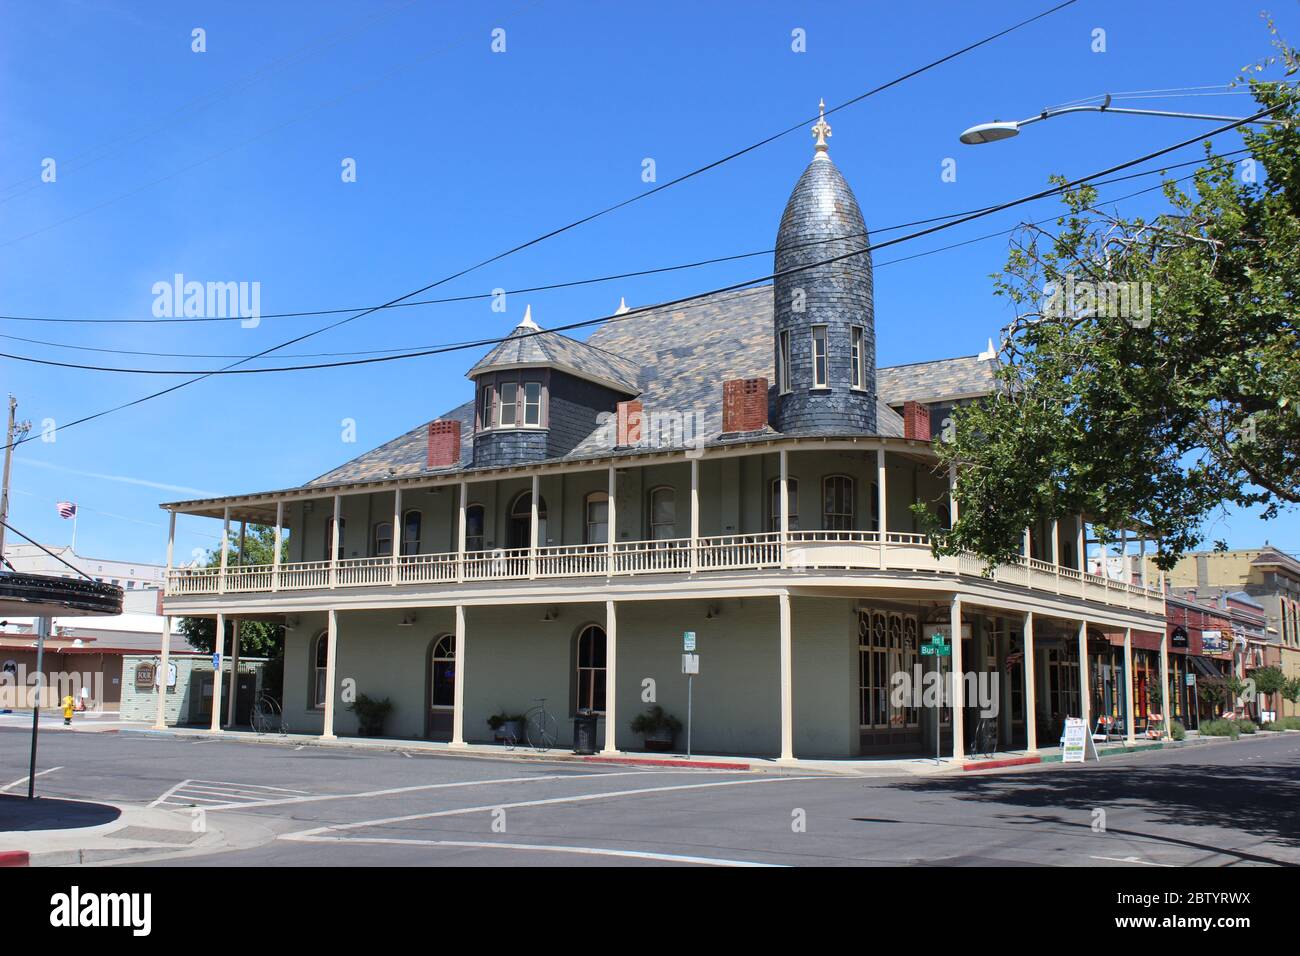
x=822 y=130
x=528 y=322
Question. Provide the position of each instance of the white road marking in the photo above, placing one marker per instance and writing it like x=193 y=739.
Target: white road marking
x=167 y=793
x=281 y=801
x=583 y=850
x=243 y=786
x=23 y=779
x=1128 y=859
x=548 y=801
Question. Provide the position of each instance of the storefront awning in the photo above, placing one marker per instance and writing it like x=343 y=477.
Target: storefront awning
x=1204 y=666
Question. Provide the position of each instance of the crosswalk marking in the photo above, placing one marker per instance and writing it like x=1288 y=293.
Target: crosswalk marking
x=223 y=793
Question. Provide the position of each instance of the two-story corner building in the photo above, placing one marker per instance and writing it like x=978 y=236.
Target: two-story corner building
x=734 y=466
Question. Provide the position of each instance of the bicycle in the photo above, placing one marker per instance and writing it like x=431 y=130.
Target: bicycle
x=984 y=742
x=540 y=729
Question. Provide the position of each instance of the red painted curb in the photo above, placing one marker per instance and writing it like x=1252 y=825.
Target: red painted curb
x=995 y=764
x=14 y=858
x=651 y=762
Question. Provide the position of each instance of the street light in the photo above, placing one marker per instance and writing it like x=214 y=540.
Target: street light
x=998 y=130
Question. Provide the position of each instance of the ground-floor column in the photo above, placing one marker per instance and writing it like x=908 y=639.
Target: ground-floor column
x=611 y=679
x=958 y=685
x=1085 y=692
x=458 y=695
x=331 y=669
x=160 y=717
x=1129 y=728
x=218 y=646
x=1166 y=704
x=234 y=672
x=787 y=680
x=1031 y=702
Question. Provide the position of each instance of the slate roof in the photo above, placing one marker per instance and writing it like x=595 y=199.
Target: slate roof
x=937 y=381
x=527 y=346
x=675 y=358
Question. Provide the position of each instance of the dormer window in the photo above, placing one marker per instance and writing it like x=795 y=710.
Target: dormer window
x=515 y=399
x=820 y=375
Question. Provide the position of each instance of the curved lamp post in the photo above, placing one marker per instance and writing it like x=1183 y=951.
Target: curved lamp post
x=994 y=132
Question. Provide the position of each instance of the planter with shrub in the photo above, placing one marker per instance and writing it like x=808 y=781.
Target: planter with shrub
x=506 y=728
x=1177 y=730
x=371 y=714
x=658 y=728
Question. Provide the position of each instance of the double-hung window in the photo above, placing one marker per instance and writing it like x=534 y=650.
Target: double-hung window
x=820 y=373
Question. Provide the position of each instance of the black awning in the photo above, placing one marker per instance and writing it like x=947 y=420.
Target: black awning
x=1203 y=666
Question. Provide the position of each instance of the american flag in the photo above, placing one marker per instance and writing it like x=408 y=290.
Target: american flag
x=67 y=509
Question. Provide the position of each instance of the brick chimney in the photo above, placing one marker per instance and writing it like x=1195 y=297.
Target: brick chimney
x=916 y=421
x=630 y=416
x=744 y=405
x=444 y=443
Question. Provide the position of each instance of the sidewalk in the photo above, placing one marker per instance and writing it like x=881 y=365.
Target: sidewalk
x=96 y=723
x=51 y=832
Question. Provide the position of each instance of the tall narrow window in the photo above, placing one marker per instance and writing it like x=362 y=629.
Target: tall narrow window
x=474 y=528
x=507 y=393
x=783 y=362
x=663 y=514
x=411 y=523
x=591 y=669
x=597 y=531
x=442 y=675
x=774 y=501
x=858 y=376
x=532 y=403
x=382 y=545
x=320 y=689
x=820 y=379
x=485 y=407
x=837 y=503
x=329 y=536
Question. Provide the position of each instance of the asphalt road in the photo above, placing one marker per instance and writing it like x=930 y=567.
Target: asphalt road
x=1225 y=804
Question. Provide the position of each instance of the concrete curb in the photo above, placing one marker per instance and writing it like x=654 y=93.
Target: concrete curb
x=15 y=858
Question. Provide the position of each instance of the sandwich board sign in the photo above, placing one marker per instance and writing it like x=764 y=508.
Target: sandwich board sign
x=1077 y=744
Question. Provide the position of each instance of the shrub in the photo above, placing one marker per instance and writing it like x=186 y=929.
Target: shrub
x=1247 y=726
x=1177 y=730
x=1220 y=728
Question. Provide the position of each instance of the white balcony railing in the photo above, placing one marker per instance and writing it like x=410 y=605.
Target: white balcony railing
x=800 y=551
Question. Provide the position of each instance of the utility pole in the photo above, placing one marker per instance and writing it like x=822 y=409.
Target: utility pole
x=16 y=431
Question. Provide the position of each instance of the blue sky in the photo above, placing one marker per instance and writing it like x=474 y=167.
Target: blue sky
x=225 y=166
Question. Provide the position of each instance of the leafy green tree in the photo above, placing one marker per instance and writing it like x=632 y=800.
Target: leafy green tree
x=1291 y=690
x=1268 y=680
x=256 y=638
x=1151 y=375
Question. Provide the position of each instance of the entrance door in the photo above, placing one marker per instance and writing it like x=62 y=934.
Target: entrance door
x=521 y=520
x=442 y=687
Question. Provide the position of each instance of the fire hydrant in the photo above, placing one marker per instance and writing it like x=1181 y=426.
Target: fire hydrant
x=67 y=710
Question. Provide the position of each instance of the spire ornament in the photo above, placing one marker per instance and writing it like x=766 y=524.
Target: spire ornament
x=822 y=129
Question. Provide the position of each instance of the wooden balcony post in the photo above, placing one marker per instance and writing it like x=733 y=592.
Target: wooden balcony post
x=532 y=530
x=331 y=670
x=882 y=529
x=1085 y=698
x=784 y=493
x=952 y=493
x=334 y=543
x=458 y=700
x=164 y=667
x=612 y=520
x=958 y=684
x=695 y=514
x=611 y=679
x=225 y=550
x=171 y=550
x=1031 y=704
x=218 y=647
x=397 y=531
x=787 y=678
x=279 y=538
x=460 y=537
x=1129 y=730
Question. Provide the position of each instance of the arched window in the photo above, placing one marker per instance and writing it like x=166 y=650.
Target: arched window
x=596 y=530
x=411 y=522
x=663 y=513
x=329 y=536
x=774 y=503
x=442 y=676
x=837 y=503
x=474 y=528
x=521 y=521
x=381 y=545
x=591 y=669
x=320 y=688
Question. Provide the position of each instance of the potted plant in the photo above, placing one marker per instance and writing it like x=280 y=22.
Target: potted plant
x=658 y=728
x=371 y=714
x=506 y=727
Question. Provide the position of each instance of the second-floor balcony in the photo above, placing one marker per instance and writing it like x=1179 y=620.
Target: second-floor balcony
x=793 y=553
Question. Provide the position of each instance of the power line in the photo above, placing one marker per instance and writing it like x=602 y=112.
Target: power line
x=572 y=225
x=1053 y=190
x=479 y=296
x=45 y=549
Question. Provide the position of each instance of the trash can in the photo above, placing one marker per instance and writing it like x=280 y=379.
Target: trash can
x=584 y=733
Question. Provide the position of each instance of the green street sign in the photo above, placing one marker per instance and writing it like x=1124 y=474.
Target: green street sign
x=932 y=650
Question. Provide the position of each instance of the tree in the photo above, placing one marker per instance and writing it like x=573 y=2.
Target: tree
x=257 y=638
x=1150 y=377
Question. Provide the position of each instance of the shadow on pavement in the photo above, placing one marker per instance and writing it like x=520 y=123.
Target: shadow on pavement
x=19 y=814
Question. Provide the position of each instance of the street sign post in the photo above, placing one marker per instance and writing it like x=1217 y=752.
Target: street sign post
x=690 y=667
x=939 y=648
